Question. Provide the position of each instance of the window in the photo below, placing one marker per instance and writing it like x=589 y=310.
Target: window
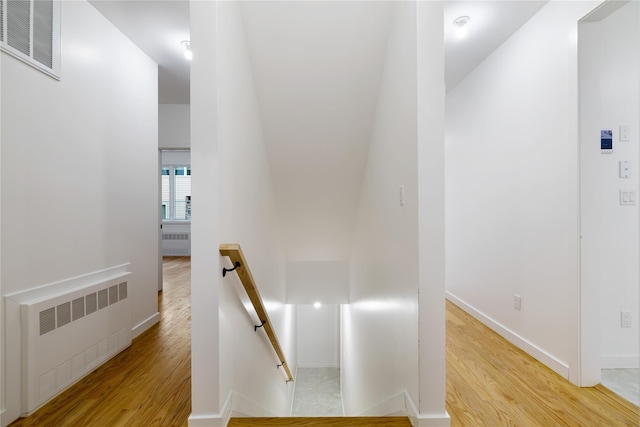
x=176 y=192
x=30 y=31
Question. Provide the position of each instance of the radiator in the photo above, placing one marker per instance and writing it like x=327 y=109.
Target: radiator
x=176 y=243
x=68 y=329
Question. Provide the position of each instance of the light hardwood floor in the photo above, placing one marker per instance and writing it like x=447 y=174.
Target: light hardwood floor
x=489 y=382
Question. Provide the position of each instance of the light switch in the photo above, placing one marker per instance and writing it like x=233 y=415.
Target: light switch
x=625 y=168
x=624 y=133
x=627 y=197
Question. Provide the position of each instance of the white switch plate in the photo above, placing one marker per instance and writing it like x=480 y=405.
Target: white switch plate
x=625 y=168
x=624 y=133
x=625 y=319
x=517 y=302
x=627 y=198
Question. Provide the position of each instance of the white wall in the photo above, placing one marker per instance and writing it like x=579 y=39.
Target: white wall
x=80 y=168
x=228 y=140
x=610 y=97
x=317 y=281
x=512 y=180
x=318 y=335
x=174 y=127
x=380 y=332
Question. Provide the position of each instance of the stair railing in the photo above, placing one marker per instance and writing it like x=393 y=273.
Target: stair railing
x=240 y=266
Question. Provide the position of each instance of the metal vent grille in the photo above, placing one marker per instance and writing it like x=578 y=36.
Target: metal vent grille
x=103 y=299
x=63 y=313
x=113 y=294
x=47 y=320
x=43 y=32
x=77 y=308
x=19 y=25
x=30 y=31
x=175 y=236
x=92 y=303
x=1 y=21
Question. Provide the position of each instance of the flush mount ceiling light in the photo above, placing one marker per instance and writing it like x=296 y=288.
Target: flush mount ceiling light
x=187 y=52
x=462 y=24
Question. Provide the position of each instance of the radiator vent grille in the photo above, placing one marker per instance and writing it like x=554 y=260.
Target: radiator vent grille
x=175 y=236
x=77 y=308
x=103 y=299
x=123 y=290
x=65 y=313
x=47 y=320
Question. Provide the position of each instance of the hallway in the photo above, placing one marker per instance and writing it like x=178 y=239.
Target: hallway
x=489 y=382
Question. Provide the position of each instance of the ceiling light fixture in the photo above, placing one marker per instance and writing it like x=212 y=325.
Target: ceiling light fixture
x=187 y=52
x=461 y=24
x=317 y=304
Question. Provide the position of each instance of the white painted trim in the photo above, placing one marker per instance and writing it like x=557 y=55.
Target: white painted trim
x=560 y=367
x=226 y=410
x=620 y=362
x=144 y=325
x=210 y=420
x=434 y=420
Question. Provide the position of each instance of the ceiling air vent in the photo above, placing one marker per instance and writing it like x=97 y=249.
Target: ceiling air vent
x=30 y=31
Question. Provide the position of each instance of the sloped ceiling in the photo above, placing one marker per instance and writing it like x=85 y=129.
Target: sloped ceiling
x=317 y=69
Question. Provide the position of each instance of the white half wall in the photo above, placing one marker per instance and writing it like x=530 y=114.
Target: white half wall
x=610 y=98
x=79 y=170
x=512 y=187
x=174 y=126
x=379 y=334
x=233 y=202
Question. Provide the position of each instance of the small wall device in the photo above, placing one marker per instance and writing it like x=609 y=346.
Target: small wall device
x=606 y=141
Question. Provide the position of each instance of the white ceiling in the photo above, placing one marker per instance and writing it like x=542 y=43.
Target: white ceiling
x=317 y=67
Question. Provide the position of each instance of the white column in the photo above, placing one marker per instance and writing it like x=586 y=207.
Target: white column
x=431 y=270
x=205 y=269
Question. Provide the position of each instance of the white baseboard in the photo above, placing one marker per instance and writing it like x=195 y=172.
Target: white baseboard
x=212 y=420
x=434 y=420
x=144 y=325
x=560 y=367
x=620 y=362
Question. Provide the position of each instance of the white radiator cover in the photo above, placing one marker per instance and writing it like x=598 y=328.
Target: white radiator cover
x=69 y=328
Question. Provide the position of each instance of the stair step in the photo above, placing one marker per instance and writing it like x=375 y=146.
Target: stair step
x=321 y=421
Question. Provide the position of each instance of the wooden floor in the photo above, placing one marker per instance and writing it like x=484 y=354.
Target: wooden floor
x=322 y=421
x=489 y=381
x=492 y=383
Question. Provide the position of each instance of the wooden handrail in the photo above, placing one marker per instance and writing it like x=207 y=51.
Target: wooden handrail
x=234 y=252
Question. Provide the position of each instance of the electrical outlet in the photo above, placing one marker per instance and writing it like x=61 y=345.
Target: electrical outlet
x=625 y=319
x=517 y=302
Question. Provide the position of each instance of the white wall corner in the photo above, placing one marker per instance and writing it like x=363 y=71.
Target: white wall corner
x=555 y=364
x=144 y=325
x=424 y=420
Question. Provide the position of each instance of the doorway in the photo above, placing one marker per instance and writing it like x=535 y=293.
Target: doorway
x=609 y=85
